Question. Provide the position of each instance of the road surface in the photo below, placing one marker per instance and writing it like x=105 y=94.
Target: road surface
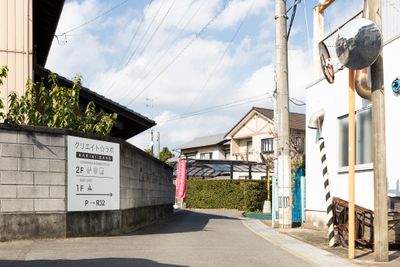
x=188 y=238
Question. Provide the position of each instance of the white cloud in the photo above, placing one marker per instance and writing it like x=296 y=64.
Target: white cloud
x=245 y=71
x=236 y=11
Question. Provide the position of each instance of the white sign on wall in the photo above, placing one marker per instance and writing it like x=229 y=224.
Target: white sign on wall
x=93 y=174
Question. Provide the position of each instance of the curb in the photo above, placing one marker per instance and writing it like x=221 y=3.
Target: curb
x=311 y=254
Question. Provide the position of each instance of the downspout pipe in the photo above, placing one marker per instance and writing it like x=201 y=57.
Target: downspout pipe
x=316 y=120
x=361 y=84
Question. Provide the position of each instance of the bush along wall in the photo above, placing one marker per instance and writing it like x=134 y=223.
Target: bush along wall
x=245 y=195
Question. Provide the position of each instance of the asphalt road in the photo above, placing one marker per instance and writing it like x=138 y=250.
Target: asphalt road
x=188 y=238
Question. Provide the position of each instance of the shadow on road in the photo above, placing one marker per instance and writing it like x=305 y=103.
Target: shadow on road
x=182 y=222
x=115 y=262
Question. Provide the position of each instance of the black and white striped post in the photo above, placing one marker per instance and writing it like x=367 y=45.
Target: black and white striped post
x=328 y=197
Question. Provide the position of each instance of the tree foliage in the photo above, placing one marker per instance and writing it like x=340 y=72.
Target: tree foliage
x=165 y=154
x=57 y=107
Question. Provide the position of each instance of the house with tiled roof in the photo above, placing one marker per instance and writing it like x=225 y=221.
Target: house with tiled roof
x=207 y=147
x=251 y=139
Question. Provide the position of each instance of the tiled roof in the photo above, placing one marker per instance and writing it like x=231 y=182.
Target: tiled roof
x=203 y=141
x=296 y=120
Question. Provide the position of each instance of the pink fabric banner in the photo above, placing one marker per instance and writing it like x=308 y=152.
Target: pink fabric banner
x=181 y=179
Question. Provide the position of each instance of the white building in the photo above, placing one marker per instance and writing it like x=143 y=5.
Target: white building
x=206 y=147
x=250 y=140
x=254 y=134
x=333 y=99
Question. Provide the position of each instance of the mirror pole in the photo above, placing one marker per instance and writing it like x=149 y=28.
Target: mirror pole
x=351 y=151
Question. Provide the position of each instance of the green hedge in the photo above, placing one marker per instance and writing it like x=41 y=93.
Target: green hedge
x=246 y=195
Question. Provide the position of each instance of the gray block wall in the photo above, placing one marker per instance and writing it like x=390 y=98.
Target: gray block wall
x=144 y=182
x=33 y=188
x=32 y=172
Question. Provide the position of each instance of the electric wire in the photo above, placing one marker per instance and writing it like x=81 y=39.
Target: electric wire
x=216 y=66
x=307 y=28
x=293 y=100
x=292 y=17
x=93 y=19
x=144 y=73
x=147 y=30
x=116 y=80
x=154 y=32
x=133 y=36
x=248 y=100
x=157 y=28
x=174 y=59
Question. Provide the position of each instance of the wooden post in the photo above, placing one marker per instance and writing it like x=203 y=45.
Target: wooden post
x=352 y=157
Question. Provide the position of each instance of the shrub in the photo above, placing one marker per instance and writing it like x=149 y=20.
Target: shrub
x=55 y=108
x=246 y=195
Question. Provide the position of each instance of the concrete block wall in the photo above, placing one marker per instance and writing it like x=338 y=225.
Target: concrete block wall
x=144 y=181
x=32 y=172
x=33 y=188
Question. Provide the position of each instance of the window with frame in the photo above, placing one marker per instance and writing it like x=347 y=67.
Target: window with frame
x=207 y=155
x=267 y=145
x=363 y=140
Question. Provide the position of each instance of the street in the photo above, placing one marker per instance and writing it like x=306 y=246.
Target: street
x=188 y=238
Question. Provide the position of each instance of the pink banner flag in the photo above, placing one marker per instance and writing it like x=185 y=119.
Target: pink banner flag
x=181 y=179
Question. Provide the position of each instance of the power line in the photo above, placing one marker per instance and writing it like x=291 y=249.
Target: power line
x=93 y=19
x=219 y=107
x=115 y=81
x=158 y=26
x=133 y=36
x=143 y=73
x=147 y=30
x=296 y=2
x=179 y=54
x=307 y=28
x=212 y=73
x=297 y=104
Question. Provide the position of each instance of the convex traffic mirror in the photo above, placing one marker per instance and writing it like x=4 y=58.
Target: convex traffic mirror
x=358 y=44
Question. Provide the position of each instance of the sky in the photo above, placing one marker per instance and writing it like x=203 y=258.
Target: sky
x=196 y=67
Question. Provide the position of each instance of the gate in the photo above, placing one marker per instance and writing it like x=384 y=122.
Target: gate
x=297 y=209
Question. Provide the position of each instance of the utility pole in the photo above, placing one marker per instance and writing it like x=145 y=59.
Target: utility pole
x=284 y=181
x=379 y=145
x=158 y=145
x=152 y=142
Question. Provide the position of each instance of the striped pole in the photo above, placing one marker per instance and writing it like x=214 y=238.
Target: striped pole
x=328 y=197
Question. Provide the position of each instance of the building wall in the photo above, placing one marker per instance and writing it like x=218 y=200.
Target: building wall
x=255 y=129
x=33 y=186
x=334 y=100
x=15 y=44
x=217 y=152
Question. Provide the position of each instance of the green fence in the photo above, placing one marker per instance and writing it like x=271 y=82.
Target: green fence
x=246 y=195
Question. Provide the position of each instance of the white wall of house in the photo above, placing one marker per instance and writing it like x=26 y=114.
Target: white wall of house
x=254 y=130
x=15 y=44
x=334 y=100
x=216 y=152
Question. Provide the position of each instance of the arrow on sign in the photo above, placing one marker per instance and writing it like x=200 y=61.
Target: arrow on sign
x=110 y=194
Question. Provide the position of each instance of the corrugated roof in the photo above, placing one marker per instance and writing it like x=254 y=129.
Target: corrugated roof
x=203 y=141
x=296 y=120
